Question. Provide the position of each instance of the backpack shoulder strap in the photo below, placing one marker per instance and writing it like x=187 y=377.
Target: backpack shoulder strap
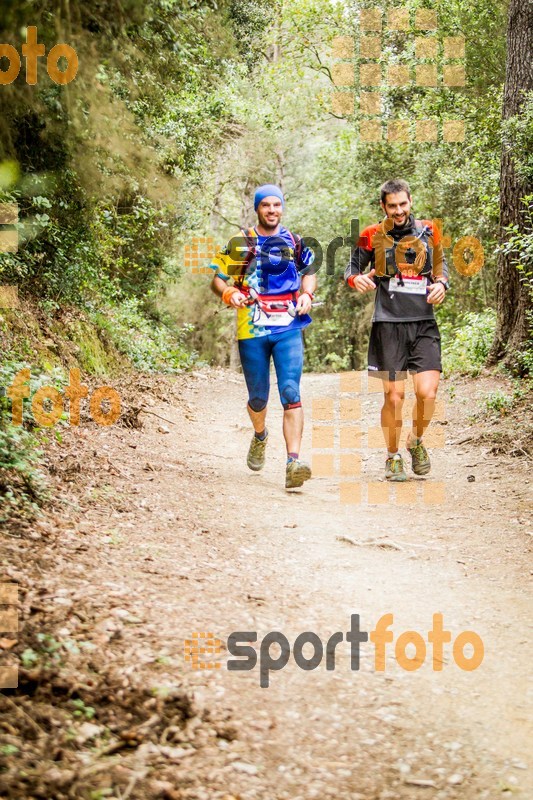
x=296 y=244
x=249 y=234
x=422 y=225
x=249 y=237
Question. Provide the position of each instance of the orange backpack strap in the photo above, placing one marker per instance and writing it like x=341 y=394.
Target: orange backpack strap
x=374 y=239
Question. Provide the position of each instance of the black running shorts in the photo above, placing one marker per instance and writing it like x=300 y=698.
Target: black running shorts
x=398 y=347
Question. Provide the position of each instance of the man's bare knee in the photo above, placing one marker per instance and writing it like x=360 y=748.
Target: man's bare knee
x=426 y=394
x=394 y=398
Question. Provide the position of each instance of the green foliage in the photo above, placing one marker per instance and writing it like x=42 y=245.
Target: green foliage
x=465 y=348
x=10 y=369
x=519 y=243
x=81 y=710
x=108 y=173
x=8 y=750
x=498 y=402
x=331 y=177
x=23 y=487
x=182 y=107
x=338 y=338
x=29 y=658
x=210 y=325
x=151 y=345
x=132 y=239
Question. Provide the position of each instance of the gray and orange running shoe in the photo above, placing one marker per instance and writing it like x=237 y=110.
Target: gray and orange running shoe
x=394 y=469
x=297 y=472
x=419 y=459
x=256 y=453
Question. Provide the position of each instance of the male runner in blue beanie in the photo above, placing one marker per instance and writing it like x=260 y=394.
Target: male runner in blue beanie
x=273 y=296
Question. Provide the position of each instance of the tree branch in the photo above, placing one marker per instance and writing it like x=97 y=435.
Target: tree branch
x=233 y=224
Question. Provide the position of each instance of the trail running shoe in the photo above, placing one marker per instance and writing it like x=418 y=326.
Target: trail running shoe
x=297 y=472
x=394 y=469
x=256 y=453
x=420 y=459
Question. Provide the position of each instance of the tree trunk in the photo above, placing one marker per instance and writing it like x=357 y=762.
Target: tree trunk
x=512 y=295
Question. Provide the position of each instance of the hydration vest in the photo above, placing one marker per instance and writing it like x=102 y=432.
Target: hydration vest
x=250 y=238
x=387 y=266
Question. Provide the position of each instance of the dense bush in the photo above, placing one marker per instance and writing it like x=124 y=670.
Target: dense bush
x=465 y=348
x=23 y=486
x=151 y=345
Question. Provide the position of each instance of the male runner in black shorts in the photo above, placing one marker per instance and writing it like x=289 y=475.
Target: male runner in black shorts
x=409 y=275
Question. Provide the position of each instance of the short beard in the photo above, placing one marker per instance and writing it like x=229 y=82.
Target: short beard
x=407 y=216
x=268 y=225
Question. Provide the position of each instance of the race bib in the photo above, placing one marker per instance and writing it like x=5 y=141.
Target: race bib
x=415 y=285
x=272 y=319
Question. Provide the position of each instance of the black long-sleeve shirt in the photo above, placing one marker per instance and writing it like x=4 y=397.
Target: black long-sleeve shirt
x=394 y=302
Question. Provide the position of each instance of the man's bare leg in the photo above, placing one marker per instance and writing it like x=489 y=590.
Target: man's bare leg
x=391 y=413
x=293 y=426
x=258 y=418
x=391 y=425
x=256 y=452
x=426 y=385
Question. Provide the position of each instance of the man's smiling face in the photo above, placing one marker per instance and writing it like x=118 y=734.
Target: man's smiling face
x=269 y=213
x=397 y=206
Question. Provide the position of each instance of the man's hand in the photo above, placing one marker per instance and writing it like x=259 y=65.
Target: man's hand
x=364 y=283
x=437 y=293
x=304 y=304
x=238 y=300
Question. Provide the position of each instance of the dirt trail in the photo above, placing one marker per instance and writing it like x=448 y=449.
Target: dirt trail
x=194 y=542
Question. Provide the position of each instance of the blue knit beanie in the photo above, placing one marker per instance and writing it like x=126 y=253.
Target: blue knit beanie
x=268 y=190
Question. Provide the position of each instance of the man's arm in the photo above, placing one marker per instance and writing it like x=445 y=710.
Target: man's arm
x=221 y=265
x=308 y=281
x=360 y=259
x=307 y=290
x=440 y=286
